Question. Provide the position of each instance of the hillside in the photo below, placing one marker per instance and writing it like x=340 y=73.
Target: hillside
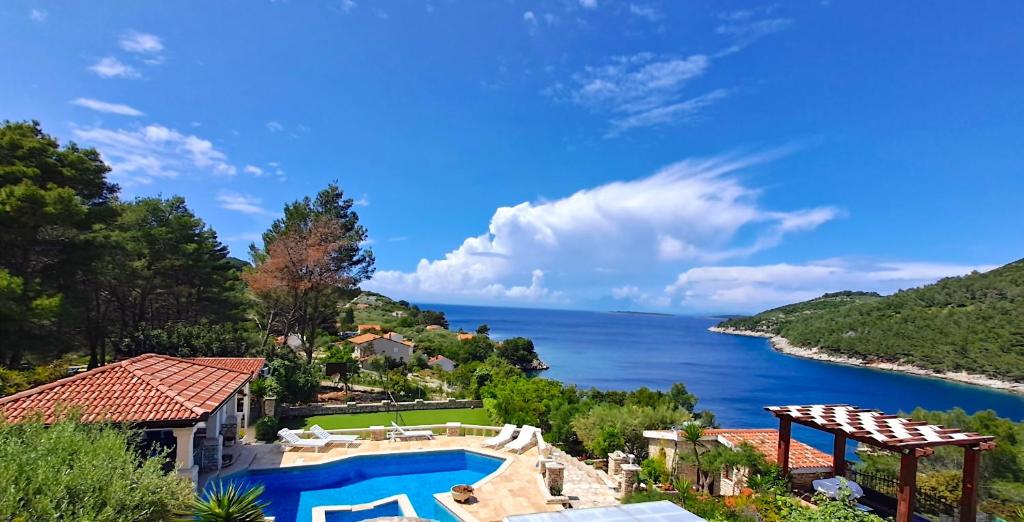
x=972 y=324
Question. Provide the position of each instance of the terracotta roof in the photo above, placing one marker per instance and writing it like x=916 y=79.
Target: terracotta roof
x=369 y=327
x=465 y=336
x=874 y=427
x=250 y=365
x=408 y=343
x=147 y=389
x=766 y=442
x=435 y=327
x=438 y=358
x=365 y=338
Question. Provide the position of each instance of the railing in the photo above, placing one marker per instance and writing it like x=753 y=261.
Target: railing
x=888 y=485
x=440 y=429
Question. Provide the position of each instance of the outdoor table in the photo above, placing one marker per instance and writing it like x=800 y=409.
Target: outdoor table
x=830 y=487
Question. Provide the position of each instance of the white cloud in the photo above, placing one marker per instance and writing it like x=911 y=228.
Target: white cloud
x=102 y=106
x=755 y=288
x=640 y=90
x=244 y=203
x=693 y=210
x=644 y=299
x=253 y=169
x=588 y=4
x=746 y=26
x=363 y=201
x=347 y=6
x=38 y=15
x=529 y=17
x=644 y=11
x=154 y=151
x=142 y=43
x=110 y=67
x=274 y=126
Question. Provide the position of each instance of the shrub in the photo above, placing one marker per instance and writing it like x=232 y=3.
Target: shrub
x=229 y=503
x=266 y=429
x=75 y=471
x=654 y=469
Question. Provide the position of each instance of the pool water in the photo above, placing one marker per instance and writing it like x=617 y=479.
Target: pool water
x=390 y=509
x=293 y=492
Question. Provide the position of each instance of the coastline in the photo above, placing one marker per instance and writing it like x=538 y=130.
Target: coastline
x=782 y=345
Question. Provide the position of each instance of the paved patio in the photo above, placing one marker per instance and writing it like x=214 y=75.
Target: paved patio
x=517 y=489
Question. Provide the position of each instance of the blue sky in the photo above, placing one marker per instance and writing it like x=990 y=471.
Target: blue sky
x=673 y=156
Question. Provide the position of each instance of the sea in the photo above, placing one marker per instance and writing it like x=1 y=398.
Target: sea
x=733 y=376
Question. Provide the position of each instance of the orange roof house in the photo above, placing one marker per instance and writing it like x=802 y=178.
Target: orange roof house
x=465 y=336
x=364 y=338
x=766 y=442
x=432 y=327
x=171 y=396
x=365 y=327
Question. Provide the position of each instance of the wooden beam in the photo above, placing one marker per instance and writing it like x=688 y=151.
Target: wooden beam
x=785 y=435
x=906 y=488
x=969 y=491
x=839 y=455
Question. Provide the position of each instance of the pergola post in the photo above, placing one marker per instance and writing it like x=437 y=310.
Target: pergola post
x=907 y=486
x=839 y=455
x=785 y=436
x=969 y=492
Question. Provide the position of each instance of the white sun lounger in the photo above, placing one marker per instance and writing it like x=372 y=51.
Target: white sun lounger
x=399 y=433
x=526 y=439
x=291 y=440
x=502 y=438
x=322 y=434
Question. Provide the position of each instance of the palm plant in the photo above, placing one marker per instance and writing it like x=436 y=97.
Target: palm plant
x=693 y=432
x=230 y=503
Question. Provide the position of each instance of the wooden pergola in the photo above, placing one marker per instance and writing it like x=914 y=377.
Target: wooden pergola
x=909 y=438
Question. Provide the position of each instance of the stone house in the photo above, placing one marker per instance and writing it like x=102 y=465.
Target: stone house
x=442 y=362
x=806 y=463
x=371 y=345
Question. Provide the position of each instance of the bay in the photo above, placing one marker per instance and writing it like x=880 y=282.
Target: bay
x=733 y=376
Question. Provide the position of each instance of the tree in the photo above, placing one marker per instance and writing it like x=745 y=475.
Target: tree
x=51 y=198
x=483 y=329
x=518 y=351
x=69 y=470
x=341 y=364
x=309 y=259
x=431 y=317
x=693 y=433
x=628 y=421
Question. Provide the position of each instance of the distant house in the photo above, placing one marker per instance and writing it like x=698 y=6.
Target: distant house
x=442 y=362
x=465 y=336
x=371 y=345
x=361 y=306
x=293 y=341
x=188 y=406
x=806 y=463
x=398 y=313
x=367 y=327
x=434 y=327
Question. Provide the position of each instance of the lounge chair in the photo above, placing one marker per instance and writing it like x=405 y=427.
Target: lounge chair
x=502 y=438
x=526 y=439
x=322 y=434
x=291 y=440
x=399 y=433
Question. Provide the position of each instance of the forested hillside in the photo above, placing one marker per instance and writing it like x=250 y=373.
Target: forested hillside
x=973 y=323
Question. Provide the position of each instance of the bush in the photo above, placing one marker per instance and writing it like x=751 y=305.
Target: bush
x=266 y=429
x=75 y=471
x=654 y=469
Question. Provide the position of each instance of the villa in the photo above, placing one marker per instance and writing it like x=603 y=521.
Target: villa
x=465 y=336
x=442 y=362
x=806 y=463
x=369 y=345
x=434 y=327
x=362 y=328
x=190 y=406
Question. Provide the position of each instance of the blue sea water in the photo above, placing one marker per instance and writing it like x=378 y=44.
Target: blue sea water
x=294 y=492
x=733 y=376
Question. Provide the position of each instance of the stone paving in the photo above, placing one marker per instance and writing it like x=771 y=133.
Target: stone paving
x=517 y=489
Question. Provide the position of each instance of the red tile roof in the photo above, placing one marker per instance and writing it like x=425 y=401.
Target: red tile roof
x=363 y=327
x=465 y=336
x=766 y=442
x=365 y=338
x=250 y=365
x=145 y=389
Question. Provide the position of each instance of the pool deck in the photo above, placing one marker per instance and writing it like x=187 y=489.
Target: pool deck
x=513 y=490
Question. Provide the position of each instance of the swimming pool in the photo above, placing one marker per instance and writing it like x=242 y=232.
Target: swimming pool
x=293 y=492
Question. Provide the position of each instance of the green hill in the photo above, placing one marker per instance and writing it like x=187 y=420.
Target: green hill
x=973 y=323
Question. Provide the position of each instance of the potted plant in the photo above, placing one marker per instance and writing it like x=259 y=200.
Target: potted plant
x=462 y=493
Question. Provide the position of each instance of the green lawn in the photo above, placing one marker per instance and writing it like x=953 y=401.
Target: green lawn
x=408 y=418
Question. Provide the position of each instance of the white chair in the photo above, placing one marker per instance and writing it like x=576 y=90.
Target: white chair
x=399 y=433
x=322 y=434
x=526 y=439
x=502 y=438
x=291 y=440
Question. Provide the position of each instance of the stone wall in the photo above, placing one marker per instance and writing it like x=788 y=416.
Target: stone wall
x=307 y=410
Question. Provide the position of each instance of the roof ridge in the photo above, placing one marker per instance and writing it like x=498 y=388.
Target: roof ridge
x=166 y=390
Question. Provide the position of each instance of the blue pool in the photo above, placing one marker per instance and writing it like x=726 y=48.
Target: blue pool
x=294 y=492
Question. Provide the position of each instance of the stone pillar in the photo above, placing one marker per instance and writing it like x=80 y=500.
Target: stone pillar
x=554 y=478
x=629 y=476
x=183 y=452
x=378 y=433
x=269 y=405
x=453 y=429
x=615 y=461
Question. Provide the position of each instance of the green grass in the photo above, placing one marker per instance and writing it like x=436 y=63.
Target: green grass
x=408 y=418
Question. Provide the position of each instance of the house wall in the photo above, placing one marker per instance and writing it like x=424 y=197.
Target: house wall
x=445 y=365
x=374 y=407
x=385 y=347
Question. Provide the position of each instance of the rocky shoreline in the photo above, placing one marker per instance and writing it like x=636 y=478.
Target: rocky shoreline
x=782 y=345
